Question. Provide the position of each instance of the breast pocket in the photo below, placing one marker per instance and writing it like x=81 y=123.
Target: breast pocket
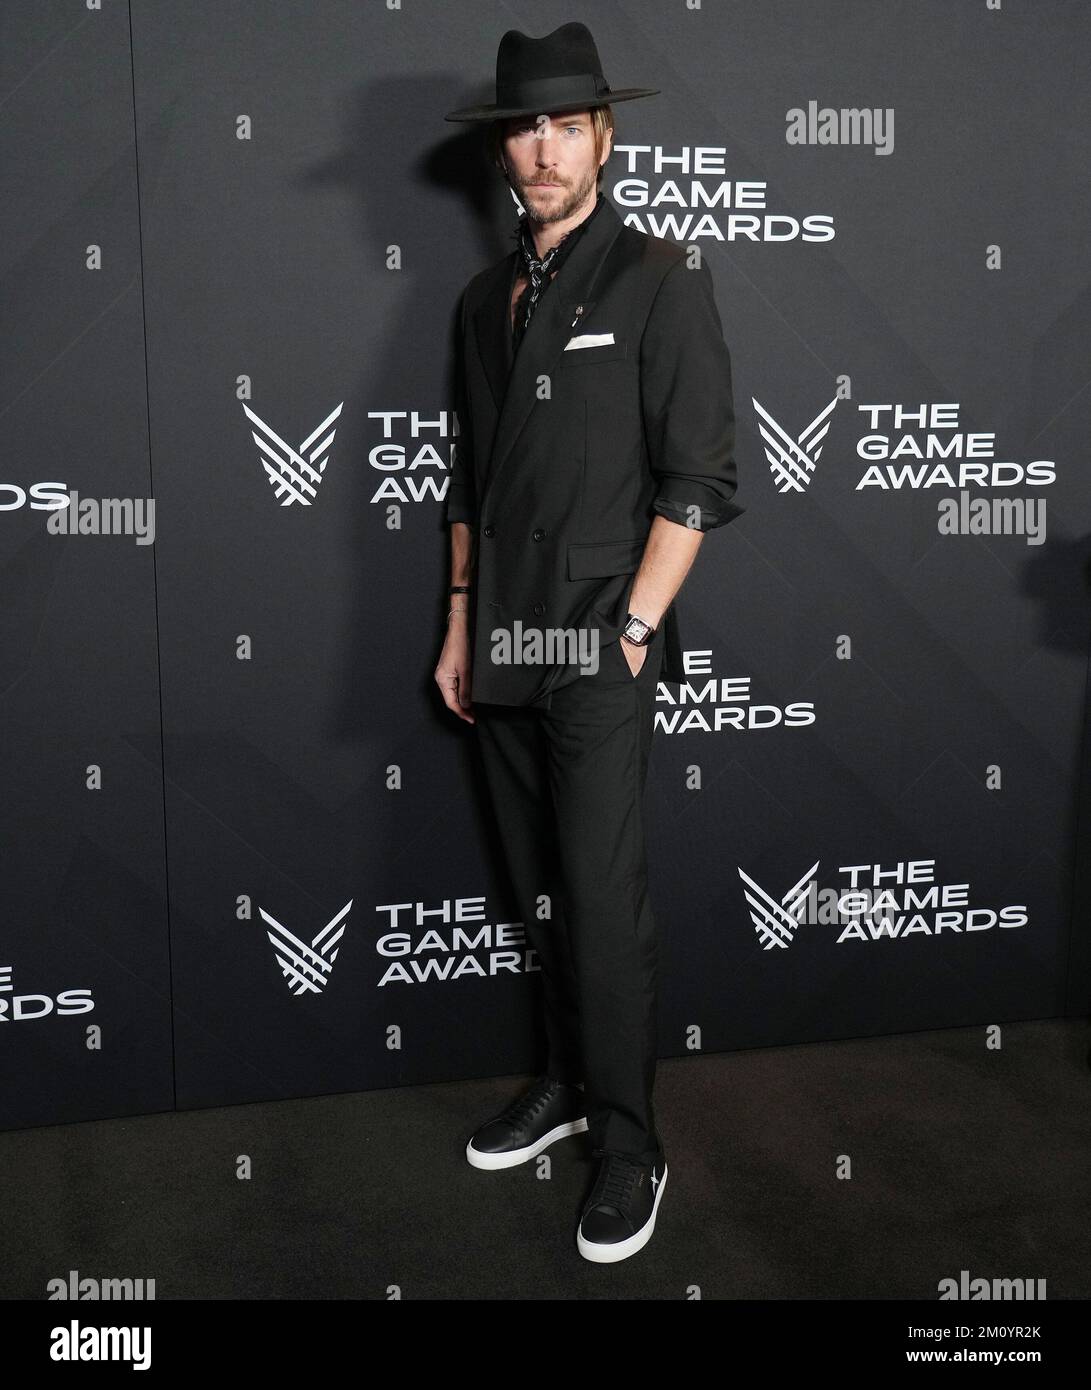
x=572 y=359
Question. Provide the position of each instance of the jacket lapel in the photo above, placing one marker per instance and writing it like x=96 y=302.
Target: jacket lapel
x=514 y=385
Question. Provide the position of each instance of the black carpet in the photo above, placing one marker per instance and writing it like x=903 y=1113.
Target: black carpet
x=961 y=1158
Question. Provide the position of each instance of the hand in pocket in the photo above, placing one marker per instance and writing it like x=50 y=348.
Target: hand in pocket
x=635 y=657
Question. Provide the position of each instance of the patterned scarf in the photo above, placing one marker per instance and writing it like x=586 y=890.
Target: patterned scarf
x=541 y=271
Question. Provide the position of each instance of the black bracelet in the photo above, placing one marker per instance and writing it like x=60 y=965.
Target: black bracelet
x=459 y=589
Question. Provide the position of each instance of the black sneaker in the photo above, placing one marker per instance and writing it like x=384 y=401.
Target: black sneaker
x=548 y=1111
x=619 y=1216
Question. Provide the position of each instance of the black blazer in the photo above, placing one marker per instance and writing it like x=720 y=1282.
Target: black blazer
x=563 y=458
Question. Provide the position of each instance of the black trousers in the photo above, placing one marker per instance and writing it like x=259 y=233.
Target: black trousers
x=567 y=786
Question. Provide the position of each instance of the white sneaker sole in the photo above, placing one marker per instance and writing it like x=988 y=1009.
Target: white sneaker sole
x=514 y=1157
x=622 y=1249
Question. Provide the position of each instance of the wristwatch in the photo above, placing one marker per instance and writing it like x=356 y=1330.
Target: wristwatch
x=637 y=631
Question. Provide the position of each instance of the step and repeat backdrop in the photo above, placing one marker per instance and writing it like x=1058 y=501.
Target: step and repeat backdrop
x=246 y=851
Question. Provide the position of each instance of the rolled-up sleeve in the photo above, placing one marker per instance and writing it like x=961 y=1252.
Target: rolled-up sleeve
x=461 y=504
x=689 y=415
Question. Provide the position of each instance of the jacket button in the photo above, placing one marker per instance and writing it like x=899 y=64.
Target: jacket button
x=539 y=534
x=488 y=530
x=539 y=609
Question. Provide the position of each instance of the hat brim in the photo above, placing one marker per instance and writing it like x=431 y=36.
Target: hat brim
x=501 y=113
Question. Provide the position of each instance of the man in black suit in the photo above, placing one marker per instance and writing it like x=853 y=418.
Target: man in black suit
x=595 y=449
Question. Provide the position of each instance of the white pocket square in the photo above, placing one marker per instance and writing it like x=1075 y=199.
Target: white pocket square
x=589 y=340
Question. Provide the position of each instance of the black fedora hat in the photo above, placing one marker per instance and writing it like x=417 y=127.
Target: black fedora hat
x=560 y=72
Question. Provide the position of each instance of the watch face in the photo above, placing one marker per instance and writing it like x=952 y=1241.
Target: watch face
x=637 y=630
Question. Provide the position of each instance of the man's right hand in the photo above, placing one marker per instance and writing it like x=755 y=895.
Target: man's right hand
x=453 y=671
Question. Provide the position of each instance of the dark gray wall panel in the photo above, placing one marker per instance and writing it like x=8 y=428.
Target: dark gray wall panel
x=263 y=265
x=84 y=898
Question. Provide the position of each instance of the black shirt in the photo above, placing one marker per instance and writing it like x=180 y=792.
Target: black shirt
x=542 y=270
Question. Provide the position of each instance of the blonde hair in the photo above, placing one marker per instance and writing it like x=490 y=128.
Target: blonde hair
x=602 y=120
